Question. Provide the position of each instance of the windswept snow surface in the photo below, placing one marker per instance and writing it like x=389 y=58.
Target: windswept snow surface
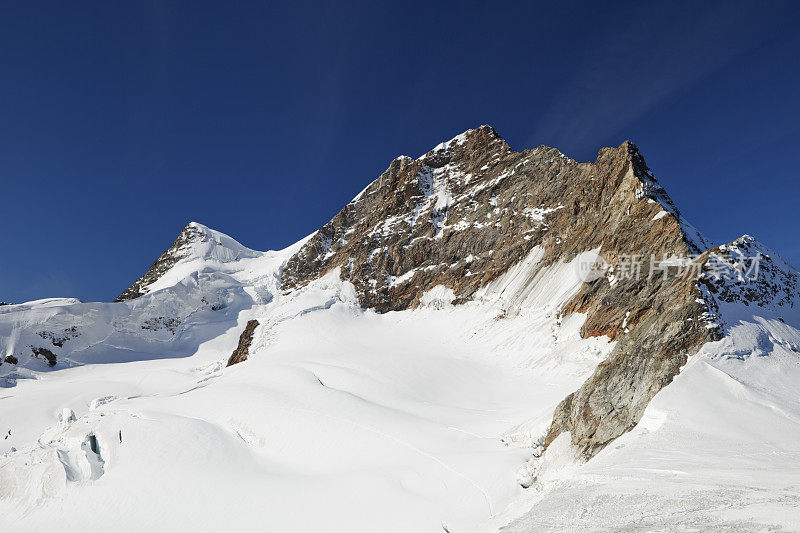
x=347 y=420
x=340 y=420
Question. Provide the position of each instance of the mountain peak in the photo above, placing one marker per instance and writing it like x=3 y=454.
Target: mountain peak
x=473 y=196
x=745 y=274
x=195 y=242
x=482 y=131
x=472 y=141
x=630 y=146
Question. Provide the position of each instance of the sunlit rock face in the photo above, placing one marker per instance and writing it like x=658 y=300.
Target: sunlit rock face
x=471 y=208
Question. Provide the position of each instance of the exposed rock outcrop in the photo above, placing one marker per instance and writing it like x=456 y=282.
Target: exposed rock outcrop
x=58 y=338
x=668 y=328
x=44 y=353
x=245 y=340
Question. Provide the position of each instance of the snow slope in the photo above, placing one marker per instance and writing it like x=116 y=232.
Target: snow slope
x=340 y=420
x=348 y=420
x=196 y=300
x=717 y=449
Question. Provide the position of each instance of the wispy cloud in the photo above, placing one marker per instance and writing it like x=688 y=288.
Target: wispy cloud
x=649 y=55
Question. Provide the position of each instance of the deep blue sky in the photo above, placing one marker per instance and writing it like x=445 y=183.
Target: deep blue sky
x=122 y=121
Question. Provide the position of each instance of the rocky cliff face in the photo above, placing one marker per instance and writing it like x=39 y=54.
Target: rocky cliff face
x=468 y=210
x=464 y=212
x=245 y=340
x=682 y=316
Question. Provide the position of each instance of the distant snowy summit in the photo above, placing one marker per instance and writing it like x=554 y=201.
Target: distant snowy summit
x=195 y=242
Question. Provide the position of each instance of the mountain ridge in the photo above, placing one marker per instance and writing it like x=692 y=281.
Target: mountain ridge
x=469 y=209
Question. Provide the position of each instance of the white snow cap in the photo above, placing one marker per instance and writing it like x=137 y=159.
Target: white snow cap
x=216 y=245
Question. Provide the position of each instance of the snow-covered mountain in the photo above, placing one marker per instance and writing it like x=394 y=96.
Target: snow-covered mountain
x=482 y=338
